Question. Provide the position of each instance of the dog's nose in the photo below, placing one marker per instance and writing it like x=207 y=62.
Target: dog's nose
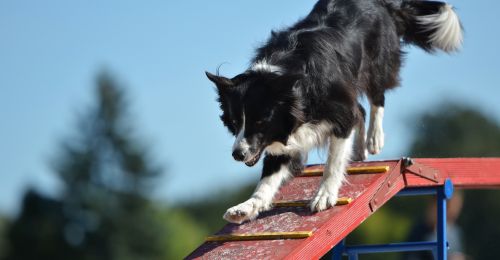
x=238 y=155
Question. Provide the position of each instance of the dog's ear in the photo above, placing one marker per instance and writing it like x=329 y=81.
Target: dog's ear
x=219 y=81
x=224 y=83
x=238 y=79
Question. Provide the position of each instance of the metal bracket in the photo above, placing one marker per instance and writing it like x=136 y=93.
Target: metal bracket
x=410 y=166
x=407 y=166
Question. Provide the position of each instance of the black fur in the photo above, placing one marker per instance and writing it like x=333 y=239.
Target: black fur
x=272 y=163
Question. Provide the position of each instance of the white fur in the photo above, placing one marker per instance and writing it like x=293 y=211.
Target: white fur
x=303 y=139
x=261 y=199
x=263 y=65
x=334 y=174
x=241 y=142
x=448 y=35
x=375 y=139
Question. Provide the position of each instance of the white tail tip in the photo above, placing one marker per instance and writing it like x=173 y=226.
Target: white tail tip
x=448 y=30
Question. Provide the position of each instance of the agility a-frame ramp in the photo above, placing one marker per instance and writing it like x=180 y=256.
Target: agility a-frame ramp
x=291 y=231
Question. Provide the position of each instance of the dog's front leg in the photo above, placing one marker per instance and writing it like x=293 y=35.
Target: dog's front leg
x=277 y=169
x=339 y=153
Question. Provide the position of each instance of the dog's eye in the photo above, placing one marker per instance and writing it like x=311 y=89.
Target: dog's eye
x=259 y=123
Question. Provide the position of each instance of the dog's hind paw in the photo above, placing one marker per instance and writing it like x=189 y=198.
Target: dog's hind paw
x=375 y=141
x=359 y=155
x=242 y=212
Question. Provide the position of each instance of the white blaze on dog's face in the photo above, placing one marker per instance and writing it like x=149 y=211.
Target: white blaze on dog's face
x=258 y=109
x=242 y=150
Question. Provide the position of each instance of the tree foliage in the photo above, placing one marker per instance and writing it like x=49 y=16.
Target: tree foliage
x=455 y=131
x=3 y=226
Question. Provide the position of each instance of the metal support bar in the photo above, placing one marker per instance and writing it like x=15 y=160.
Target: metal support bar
x=353 y=256
x=444 y=192
x=338 y=250
x=417 y=192
x=439 y=247
x=389 y=248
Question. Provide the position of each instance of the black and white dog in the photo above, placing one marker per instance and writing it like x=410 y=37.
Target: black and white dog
x=301 y=90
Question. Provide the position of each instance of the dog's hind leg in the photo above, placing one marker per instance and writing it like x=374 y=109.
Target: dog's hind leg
x=359 y=150
x=382 y=75
x=339 y=153
x=375 y=137
x=277 y=170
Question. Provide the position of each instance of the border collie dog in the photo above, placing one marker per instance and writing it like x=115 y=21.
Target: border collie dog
x=301 y=90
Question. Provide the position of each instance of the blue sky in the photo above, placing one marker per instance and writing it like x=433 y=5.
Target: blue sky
x=50 y=52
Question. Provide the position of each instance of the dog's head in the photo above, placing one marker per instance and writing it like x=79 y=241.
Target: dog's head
x=259 y=109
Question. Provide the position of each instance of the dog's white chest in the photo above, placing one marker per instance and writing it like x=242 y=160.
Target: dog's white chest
x=303 y=139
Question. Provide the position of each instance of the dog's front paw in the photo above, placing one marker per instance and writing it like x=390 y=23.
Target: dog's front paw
x=240 y=213
x=324 y=199
x=375 y=141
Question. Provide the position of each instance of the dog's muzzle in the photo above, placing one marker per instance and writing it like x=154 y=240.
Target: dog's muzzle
x=246 y=157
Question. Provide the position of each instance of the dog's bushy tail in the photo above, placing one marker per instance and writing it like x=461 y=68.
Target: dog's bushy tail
x=430 y=25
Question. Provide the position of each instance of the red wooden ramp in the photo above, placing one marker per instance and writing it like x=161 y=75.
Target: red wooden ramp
x=296 y=233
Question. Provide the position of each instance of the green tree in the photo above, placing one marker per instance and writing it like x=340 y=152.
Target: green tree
x=455 y=131
x=3 y=226
x=104 y=211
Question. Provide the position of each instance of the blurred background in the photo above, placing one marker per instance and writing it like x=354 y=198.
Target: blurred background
x=111 y=146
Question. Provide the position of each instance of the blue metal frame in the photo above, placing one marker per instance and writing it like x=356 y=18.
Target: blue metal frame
x=438 y=247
